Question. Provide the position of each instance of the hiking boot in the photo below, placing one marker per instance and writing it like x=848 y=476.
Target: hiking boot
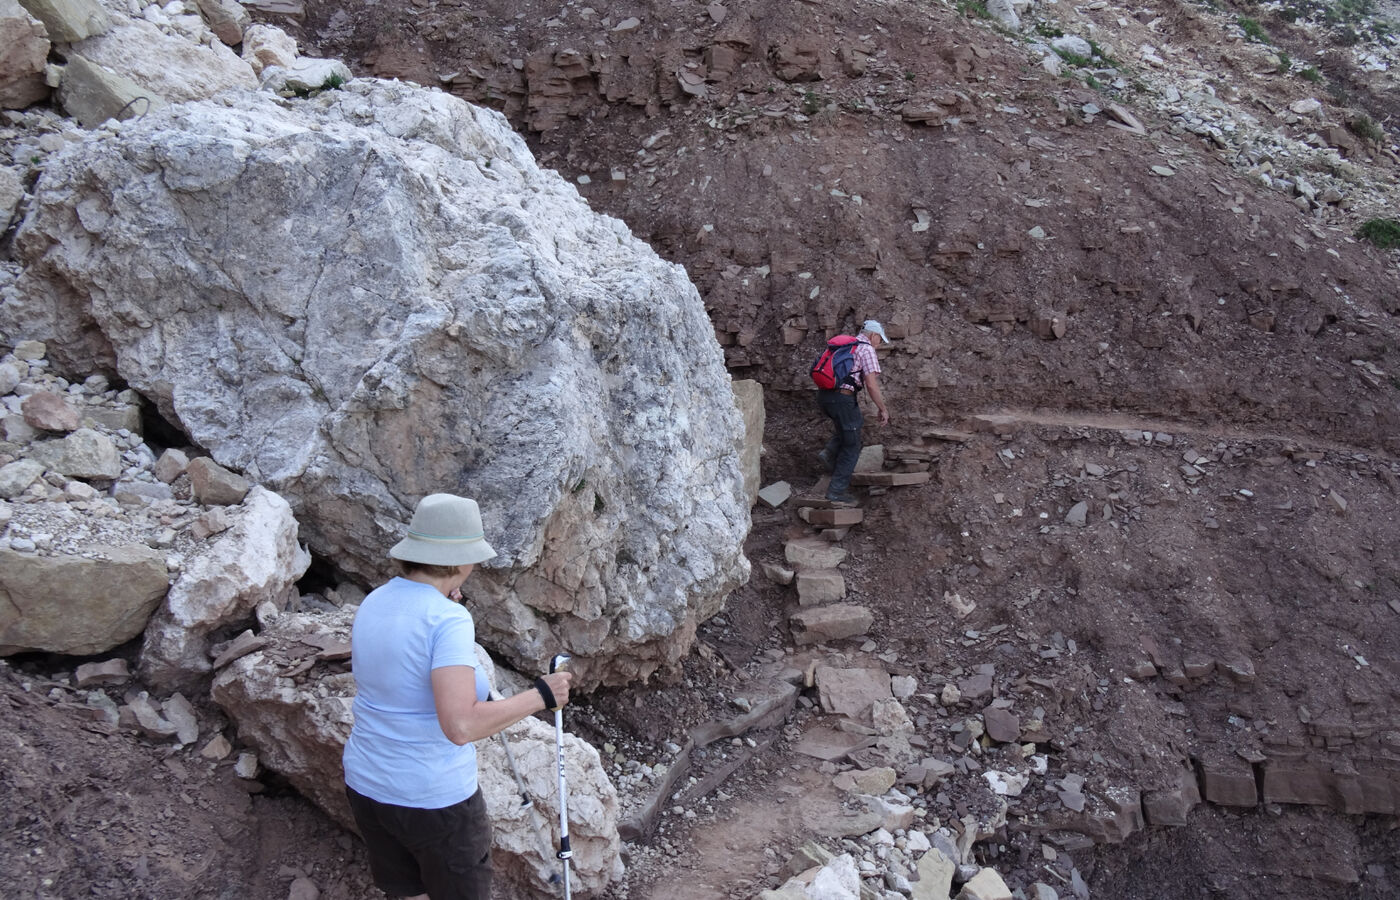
x=827 y=463
x=841 y=500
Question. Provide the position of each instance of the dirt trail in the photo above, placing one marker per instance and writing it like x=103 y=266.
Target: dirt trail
x=1120 y=423
x=727 y=852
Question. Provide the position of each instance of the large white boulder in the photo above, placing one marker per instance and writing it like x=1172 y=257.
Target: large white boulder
x=375 y=294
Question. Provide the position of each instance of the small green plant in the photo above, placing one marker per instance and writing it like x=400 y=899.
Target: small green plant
x=973 y=9
x=1367 y=130
x=1384 y=233
x=908 y=76
x=1045 y=29
x=332 y=82
x=1349 y=11
x=1098 y=53
x=1284 y=63
x=1311 y=74
x=1091 y=82
x=811 y=103
x=1253 y=30
x=1074 y=59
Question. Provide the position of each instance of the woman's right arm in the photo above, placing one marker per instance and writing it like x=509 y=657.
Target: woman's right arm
x=464 y=718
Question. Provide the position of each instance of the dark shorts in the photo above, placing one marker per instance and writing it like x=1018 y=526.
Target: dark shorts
x=444 y=853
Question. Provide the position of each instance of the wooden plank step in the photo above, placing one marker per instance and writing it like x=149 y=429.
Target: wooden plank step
x=891 y=479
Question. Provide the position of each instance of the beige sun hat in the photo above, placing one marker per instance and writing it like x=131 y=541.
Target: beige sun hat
x=445 y=531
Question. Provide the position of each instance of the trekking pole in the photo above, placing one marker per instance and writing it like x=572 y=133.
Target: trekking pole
x=526 y=801
x=565 y=853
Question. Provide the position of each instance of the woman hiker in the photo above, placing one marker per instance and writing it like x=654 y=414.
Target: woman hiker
x=410 y=767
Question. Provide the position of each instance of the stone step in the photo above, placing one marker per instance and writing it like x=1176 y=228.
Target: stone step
x=818 y=624
x=891 y=479
x=831 y=518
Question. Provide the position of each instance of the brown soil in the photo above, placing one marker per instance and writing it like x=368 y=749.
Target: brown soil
x=1198 y=305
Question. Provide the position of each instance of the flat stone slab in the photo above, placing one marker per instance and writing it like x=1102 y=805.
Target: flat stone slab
x=813 y=553
x=890 y=479
x=830 y=744
x=776 y=494
x=831 y=518
x=851 y=692
x=818 y=586
x=830 y=623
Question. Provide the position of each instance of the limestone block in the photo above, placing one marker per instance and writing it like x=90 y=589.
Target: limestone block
x=832 y=518
x=257 y=559
x=817 y=586
x=985 y=885
x=171 y=465
x=212 y=484
x=545 y=361
x=774 y=573
x=12 y=371
x=775 y=494
x=92 y=94
x=268 y=45
x=888 y=716
x=305 y=75
x=890 y=479
x=112 y=671
x=24 y=49
x=16 y=477
x=850 y=692
x=115 y=418
x=872 y=459
x=748 y=396
x=874 y=781
x=76 y=605
x=891 y=816
x=936 y=872
x=166 y=66
x=1004 y=11
x=69 y=20
x=813 y=553
x=48 y=411
x=226 y=18
x=85 y=453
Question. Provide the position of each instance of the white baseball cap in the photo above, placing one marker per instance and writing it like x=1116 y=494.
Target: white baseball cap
x=873 y=327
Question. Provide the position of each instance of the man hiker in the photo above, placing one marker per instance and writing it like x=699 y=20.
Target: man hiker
x=840 y=405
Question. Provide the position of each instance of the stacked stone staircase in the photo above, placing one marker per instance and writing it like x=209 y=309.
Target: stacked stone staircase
x=813 y=559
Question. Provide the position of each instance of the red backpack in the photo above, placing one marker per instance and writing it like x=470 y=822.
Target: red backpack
x=833 y=368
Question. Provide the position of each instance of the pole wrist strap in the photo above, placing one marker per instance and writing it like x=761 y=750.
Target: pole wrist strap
x=546 y=694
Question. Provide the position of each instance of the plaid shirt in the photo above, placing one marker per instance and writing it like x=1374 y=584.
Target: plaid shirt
x=864 y=359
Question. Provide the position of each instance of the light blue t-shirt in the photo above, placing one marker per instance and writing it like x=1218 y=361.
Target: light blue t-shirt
x=397 y=752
